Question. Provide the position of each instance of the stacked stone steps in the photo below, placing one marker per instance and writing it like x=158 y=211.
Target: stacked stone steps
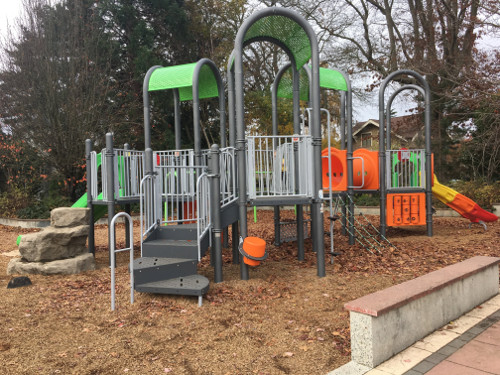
x=169 y=262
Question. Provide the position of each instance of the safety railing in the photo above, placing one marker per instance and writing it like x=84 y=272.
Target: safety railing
x=405 y=169
x=95 y=162
x=113 y=251
x=178 y=192
x=228 y=189
x=279 y=166
x=173 y=157
x=130 y=169
x=149 y=205
x=202 y=209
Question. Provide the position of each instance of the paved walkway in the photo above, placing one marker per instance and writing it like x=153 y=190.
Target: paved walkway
x=468 y=346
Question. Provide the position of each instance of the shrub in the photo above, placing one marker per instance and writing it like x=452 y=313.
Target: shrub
x=482 y=193
x=41 y=209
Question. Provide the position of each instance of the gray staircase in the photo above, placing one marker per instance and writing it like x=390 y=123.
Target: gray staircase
x=169 y=262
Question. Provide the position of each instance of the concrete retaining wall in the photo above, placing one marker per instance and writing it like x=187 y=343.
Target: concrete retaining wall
x=387 y=322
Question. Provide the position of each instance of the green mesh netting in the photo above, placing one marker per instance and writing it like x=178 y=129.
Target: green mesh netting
x=286 y=31
x=181 y=77
x=328 y=79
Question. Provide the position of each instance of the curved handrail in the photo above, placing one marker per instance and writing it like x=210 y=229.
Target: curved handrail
x=113 y=250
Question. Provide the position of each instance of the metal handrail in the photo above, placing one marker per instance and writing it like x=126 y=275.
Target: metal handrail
x=202 y=209
x=113 y=250
x=147 y=209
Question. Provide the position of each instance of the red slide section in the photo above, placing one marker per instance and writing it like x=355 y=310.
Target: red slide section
x=460 y=203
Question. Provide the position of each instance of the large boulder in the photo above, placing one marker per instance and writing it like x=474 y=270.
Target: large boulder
x=54 y=243
x=81 y=263
x=67 y=217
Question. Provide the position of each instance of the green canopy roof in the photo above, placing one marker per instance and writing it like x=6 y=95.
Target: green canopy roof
x=328 y=79
x=181 y=77
x=286 y=31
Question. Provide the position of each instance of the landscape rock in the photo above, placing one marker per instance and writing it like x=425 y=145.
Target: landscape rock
x=18 y=282
x=81 y=263
x=54 y=243
x=67 y=217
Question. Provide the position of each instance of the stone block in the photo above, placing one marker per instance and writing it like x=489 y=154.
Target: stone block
x=80 y=263
x=54 y=243
x=67 y=217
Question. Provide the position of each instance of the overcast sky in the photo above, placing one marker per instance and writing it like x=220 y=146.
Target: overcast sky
x=11 y=9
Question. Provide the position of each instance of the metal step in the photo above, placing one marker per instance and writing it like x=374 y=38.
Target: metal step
x=194 y=285
x=150 y=269
x=175 y=232
x=174 y=248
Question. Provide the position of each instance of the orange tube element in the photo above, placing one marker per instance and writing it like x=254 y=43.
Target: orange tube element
x=338 y=171
x=256 y=247
x=371 y=170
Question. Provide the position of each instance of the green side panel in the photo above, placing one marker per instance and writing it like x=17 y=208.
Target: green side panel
x=99 y=211
x=328 y=79
x=181 y=77
x=285 y=87
x=287 y=32
x=332 y=79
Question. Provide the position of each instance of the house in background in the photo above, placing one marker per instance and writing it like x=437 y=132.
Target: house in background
x=407 y=131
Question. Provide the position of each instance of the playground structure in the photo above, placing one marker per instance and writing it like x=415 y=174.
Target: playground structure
x=189 y=197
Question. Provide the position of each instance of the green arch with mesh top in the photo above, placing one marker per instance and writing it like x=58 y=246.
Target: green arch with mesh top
x=284 y=30
x=328 y=79
x=181 y=77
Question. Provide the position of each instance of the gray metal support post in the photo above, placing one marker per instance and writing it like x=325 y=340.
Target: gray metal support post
x=241 y=155
x=234 y=244
x=110 y=189
x=126 y=165
x=177 y=119
x=381 y=160
x=91 y=239
x=316 y=209
x=296 y=130
x=274 y=105
x=230 y=102
x=343 y=147
x=350 y=170
x=428 y=156
x=147 y=109
x=214 y=175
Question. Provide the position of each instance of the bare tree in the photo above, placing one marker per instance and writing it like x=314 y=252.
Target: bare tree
x=55 y=90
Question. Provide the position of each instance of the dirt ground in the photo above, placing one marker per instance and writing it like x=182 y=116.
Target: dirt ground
x=285 y=320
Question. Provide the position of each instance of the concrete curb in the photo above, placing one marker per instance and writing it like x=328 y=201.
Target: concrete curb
x=368 y=210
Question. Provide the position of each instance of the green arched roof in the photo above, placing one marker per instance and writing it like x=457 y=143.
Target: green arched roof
x=181 y=77
x=328 y=79
x=286 y=31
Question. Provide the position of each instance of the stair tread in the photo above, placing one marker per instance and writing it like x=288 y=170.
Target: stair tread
x=164 y=241
x=177 y=226
x=186 y=285
x=146 y=262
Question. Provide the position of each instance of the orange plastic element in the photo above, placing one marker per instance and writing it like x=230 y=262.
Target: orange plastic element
x=406 y=209
x=370 y=161
x=255 y=247
x=338 y=171
x=397 y=210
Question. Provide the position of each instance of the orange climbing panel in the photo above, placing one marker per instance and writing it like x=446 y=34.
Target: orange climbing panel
x=405 y=209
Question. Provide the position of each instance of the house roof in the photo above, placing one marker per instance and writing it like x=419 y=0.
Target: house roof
x=406 y=127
